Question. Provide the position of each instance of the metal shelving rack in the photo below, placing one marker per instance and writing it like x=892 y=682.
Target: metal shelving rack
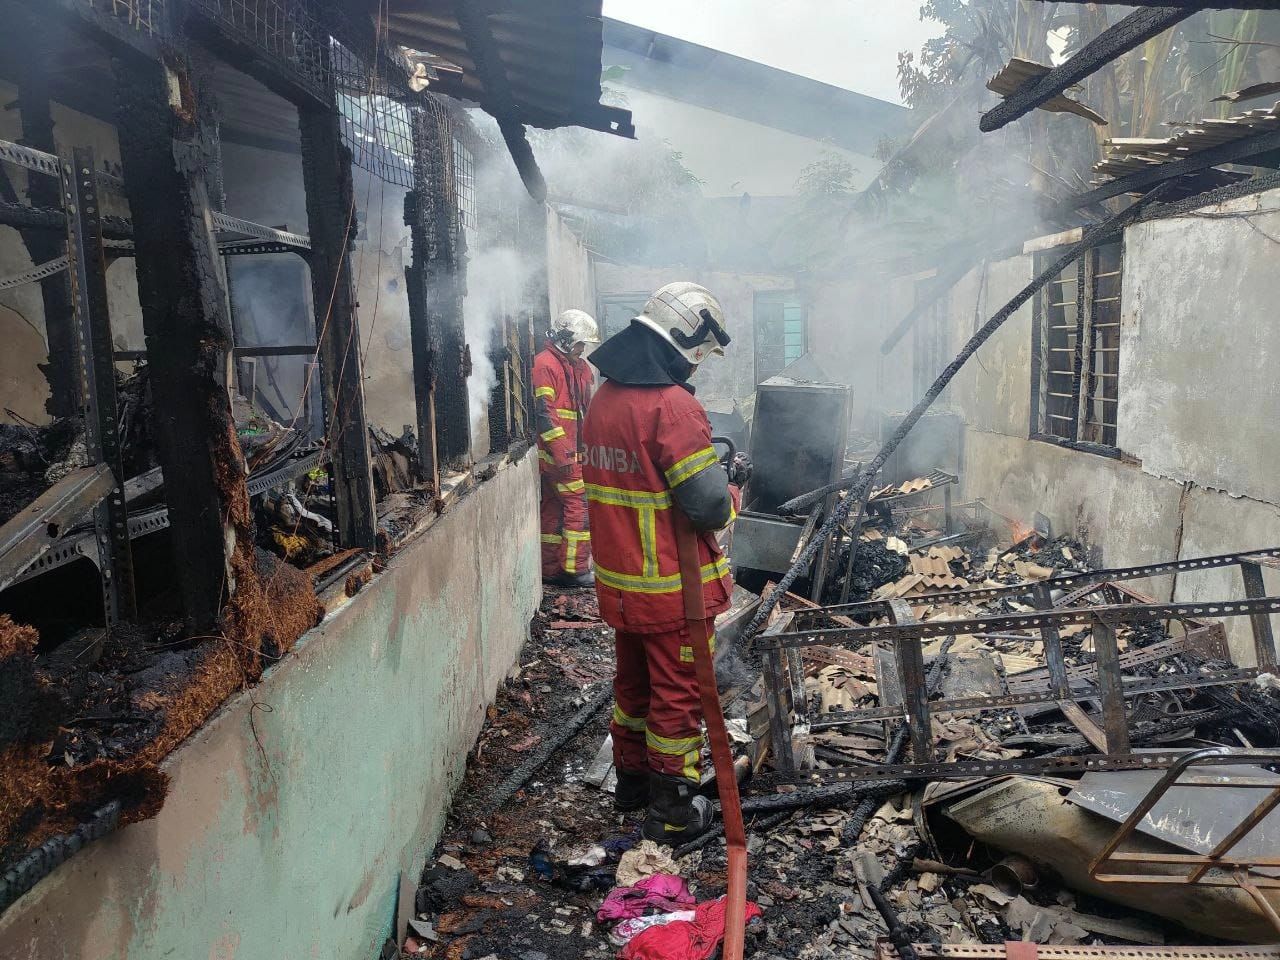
x=86 y=514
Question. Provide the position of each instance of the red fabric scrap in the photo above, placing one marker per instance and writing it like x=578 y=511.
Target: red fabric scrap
x=694 y=939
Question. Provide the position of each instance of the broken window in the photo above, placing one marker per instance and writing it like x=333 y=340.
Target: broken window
x=780 y=332
x=1076 y=350
x=617 y=309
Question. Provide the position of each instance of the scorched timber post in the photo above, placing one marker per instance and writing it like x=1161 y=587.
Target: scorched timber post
x=185 y=319
x=420 y=276
x=326 y=172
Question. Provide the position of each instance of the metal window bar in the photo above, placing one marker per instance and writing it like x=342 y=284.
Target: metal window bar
x=147 y=16
x=1055 y=312
x=287 y=31
x=464 y=184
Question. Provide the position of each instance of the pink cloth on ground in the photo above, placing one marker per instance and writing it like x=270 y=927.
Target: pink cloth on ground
x=660 y=893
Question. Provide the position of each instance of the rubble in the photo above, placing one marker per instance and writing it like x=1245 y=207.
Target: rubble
x=844 y=868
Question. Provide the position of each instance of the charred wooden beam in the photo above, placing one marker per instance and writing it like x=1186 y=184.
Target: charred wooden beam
x=421 y=276
x=187 y=327
x=436 y=284
x=326 y=173
x=1135 y=29
x=498 y=98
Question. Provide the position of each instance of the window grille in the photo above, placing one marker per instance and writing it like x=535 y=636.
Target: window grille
x=1076 y=373
x=375 y=125
x=287 y=31
x=464 y=184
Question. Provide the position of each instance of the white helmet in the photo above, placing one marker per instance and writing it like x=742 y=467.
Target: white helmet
x=688 y=317
x=571 y=328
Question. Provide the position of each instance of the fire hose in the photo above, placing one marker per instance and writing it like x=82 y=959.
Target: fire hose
x=700 y=628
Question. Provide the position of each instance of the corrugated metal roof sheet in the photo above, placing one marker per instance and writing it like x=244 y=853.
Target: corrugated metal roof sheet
x=551 y=50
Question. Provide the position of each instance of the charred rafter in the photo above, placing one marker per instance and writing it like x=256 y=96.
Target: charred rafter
x=499 y=100
x=326 y=173
x=1137 y=28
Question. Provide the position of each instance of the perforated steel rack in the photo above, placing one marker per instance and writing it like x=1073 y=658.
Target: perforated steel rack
x=1102 y=682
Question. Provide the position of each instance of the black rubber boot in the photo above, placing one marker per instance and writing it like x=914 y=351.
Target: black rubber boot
x=677 y=812
x=586 y=579
x=632 y=791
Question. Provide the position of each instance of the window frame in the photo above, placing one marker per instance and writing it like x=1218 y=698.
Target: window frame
x=1084 y=387
x=606 y=300
x=784 y=299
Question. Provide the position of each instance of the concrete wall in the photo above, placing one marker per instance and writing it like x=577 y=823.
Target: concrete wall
x=294 y=828
x=732 y=376
x=730 y=155
x=1197 y=409
x=570 y=274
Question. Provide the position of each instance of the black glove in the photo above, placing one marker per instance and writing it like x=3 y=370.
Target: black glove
x=739 y=469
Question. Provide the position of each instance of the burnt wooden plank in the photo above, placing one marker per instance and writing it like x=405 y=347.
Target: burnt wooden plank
x=1135 y=29
x=326 y=172
x=187 y=327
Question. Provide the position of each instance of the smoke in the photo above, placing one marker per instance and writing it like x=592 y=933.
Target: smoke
x=498 y=279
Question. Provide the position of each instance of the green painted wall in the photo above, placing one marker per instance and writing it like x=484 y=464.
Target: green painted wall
x=303 y=811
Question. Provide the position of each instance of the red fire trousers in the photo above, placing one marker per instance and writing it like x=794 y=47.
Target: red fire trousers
x=566 y=541
x=657 y=712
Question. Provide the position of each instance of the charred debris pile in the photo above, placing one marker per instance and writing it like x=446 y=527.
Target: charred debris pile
x=852 y=852
x=89 y=713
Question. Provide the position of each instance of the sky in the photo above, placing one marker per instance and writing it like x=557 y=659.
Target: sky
x=848 y=43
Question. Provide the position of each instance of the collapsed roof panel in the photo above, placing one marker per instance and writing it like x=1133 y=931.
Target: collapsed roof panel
x=550 y=51
x=1129 y=155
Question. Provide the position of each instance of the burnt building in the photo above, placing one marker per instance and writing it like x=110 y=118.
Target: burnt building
x=269 y=542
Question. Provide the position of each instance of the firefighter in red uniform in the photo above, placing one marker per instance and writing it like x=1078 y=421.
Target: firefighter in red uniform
x=648 y=453
x=562 y=384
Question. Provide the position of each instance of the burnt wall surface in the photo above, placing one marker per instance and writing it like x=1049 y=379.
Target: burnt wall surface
x=1195 y=472
x=299 y=818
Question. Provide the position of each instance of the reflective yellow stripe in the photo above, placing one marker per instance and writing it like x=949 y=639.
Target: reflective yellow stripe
x=691 y=465
x=546 y=457
x=574 y=537
x=689 y=749
x=573 y=486
x=545 y=392
x=686 y=653
x=648 y=520
x=672 y=746
x=566 y=414
x=626 y=721
x=631 y=583
x=551 y=538
x=618 y=497
x=555 y=433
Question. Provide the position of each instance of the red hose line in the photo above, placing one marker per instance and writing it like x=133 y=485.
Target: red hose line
x=700 y=630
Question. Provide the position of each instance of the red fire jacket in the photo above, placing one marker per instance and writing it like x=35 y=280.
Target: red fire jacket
x=639 y=444
x=561 y=392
